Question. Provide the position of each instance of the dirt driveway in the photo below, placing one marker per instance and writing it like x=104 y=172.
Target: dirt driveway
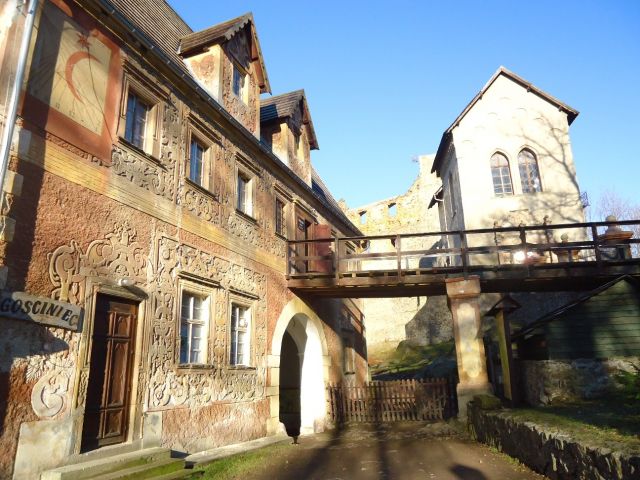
x=399 y=451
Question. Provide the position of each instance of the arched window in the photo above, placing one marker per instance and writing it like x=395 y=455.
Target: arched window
x=501 y=175
x=529 y=174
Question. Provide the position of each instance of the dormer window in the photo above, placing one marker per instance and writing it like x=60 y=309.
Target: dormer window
x=240 y=84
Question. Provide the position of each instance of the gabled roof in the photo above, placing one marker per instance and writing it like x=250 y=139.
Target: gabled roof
x=155 y=20
x=551 y=316
x=502 y=71
x=285 y=105
x=223 y=32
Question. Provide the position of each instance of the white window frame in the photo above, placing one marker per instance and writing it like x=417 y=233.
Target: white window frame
x=348 y=353
x=151 y=97
x=248 y=200
x=241 y=73
x=500 y=169
x=240 y=305
x=194 y=290
x=205 y=181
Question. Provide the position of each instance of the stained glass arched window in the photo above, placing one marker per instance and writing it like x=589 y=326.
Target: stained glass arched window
x=529 y=173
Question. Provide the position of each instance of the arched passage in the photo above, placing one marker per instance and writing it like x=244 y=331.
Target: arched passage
x=299 y=367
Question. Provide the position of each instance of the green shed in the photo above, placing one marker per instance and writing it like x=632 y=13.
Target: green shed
x=605 y=323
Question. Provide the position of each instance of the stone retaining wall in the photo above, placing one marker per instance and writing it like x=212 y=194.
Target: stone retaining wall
x=550 y=452
x=547 y=381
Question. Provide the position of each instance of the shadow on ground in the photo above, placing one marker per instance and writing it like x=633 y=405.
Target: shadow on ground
x=409 y=450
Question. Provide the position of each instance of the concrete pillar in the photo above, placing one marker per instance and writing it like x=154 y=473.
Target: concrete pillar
x=472 y=365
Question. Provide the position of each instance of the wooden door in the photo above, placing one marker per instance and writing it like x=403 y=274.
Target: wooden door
x=303 y=232
x=110 y=371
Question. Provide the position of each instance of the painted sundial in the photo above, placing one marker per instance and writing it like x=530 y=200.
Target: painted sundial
x=70 y=69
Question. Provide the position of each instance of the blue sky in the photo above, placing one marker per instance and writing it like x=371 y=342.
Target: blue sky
x=385 y=79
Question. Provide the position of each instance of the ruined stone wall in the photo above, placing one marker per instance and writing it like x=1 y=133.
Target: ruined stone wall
x=420 y=320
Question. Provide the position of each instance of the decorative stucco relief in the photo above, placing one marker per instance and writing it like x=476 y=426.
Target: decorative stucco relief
x=143 y=173
x=200 y=203
x=172 y=135
x=53 y=368
x=116 y=255
x=167 y=387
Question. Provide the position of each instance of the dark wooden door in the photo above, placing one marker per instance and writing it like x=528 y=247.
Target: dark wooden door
x=303 y=232
x=110 y=371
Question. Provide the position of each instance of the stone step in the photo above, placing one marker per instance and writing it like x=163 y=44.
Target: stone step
x=146 y=471
x=181 y=475
x=93 y=468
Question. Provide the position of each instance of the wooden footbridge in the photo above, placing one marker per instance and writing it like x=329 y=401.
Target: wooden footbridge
x=577 y=256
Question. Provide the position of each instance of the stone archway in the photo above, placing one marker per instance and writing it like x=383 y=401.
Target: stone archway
x=298 y=332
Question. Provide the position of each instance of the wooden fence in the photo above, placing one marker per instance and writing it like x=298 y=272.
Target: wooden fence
x=390 y=401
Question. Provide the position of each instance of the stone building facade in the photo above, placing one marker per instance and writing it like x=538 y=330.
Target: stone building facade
x=147 y=264
x=505 y=161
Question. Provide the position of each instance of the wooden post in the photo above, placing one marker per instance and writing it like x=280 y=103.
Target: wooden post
x=506 y=355
x=596 y=247
x=336 y=259
x=464 y=253
x=398 y=253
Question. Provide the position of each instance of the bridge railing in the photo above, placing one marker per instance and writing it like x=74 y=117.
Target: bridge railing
x=544 y=246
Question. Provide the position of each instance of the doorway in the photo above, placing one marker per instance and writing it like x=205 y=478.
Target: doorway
x=106 y=417
x=290 y=376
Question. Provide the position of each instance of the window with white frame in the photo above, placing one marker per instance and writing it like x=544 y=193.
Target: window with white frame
x=240 y=334
x=240 y=84
x=348 y=354
x=197 y=163
x=137 y=121
x=501 y=175
x=140 y=113
x=529 y=173
x=244 y=193
x=194 y=324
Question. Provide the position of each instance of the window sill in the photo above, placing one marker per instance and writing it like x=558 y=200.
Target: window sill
x=140 y=151
x=281 y=236
x=202 y=189
x=193 y=367
x=241 y=367
x=246 y=216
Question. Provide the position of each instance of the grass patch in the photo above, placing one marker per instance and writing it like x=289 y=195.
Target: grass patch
x=613 y=422
x=408 y=359
x=237 y=466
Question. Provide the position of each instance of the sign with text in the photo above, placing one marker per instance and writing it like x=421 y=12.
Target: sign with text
x=43 y=310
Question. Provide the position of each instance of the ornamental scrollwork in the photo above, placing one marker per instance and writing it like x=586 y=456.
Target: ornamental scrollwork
x=52 y=369
x=143 y=173
x=116 y=255
x=166 y=387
